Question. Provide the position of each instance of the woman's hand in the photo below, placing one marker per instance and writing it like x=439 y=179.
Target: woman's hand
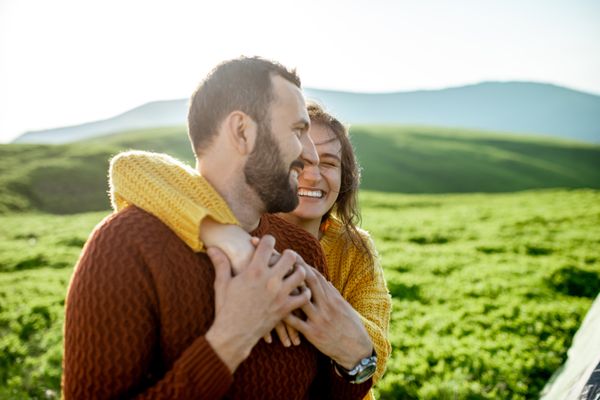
x=231 y=239
x=331 y=324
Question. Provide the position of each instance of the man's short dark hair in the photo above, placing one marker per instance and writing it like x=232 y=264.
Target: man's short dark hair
x=242 y=84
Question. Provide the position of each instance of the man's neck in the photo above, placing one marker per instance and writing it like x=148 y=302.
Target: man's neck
x=244 y=212
x=244 y=203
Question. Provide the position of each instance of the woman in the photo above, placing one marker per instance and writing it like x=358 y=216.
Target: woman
x=327 y=209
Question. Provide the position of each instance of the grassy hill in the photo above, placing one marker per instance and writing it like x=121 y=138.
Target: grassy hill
x=487 y=290
x=71 y=178
x=443 y=160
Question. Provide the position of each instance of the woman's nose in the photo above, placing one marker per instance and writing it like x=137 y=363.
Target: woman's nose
x=311 y=173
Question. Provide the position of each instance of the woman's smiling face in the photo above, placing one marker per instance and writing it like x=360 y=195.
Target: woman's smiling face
x=319 y=185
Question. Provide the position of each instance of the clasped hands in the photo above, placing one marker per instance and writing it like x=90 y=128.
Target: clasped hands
x=266 y=293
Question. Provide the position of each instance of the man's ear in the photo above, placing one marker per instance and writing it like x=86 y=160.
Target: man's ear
x=241 y=131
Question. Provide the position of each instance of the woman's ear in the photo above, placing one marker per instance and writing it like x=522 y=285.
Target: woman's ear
x=241 y=131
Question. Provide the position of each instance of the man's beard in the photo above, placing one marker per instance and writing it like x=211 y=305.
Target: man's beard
x=265 y=173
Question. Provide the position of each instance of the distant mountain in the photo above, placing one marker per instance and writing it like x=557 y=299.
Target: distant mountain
x=149 y=115
x=518 y=107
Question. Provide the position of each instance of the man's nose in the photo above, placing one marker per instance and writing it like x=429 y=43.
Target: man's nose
x=309 y=151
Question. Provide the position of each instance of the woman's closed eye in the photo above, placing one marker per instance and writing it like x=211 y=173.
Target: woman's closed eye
x=329 y=164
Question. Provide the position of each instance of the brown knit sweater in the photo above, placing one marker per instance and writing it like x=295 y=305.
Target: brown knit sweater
x=139 y=304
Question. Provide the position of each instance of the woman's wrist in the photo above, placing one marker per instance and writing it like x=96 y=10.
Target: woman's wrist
x=231 y=239
x=238 y=247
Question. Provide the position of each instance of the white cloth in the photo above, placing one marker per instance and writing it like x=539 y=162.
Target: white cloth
x=569 y=380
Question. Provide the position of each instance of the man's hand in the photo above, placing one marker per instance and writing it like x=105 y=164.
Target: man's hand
x=332 y=325
x=287 y=335
x=248 y=305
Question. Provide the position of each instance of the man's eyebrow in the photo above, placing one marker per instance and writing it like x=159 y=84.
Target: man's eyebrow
x=302 y=123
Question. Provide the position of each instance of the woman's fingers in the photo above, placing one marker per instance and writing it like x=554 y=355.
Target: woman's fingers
x=283 y=334
x=287 y=335
x=274 y=257
x=293 y=335
x=293 y=281
x=296 y=323
x=285 y=263
x=263 y=252
x=312 y=281
x=267 y=338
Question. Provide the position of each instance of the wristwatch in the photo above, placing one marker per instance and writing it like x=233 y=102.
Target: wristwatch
x=361 y=372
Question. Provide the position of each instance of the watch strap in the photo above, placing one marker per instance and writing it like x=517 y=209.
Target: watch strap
x=361 y=372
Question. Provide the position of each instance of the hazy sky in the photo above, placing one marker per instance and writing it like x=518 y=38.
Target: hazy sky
x=67 y=62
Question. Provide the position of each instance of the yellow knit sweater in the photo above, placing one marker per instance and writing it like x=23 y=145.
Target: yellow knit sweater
x=181 y=198
x=360 y=281
x=170 y=190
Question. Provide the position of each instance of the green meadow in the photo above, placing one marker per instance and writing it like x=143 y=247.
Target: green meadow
x=488 y=288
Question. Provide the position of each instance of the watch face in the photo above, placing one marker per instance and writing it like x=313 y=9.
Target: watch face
x=367 y=372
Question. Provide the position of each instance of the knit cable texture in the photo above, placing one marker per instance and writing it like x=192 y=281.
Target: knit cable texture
x=155 y=182
x=139 y=304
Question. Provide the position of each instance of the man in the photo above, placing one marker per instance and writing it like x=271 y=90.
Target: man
x=143 y=318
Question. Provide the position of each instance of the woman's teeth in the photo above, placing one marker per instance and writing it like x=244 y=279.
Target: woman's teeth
x=310 y=193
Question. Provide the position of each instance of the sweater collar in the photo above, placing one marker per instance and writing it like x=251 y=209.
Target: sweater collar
x=330 y=234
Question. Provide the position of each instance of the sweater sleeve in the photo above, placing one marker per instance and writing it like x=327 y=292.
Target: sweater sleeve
x=111 y=339
x=368 y=294
x=340 y=389
x=173 y=192
x=329 y=385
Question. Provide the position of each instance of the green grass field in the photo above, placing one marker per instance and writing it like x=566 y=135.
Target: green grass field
x=488 y=290
x=71 y=178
